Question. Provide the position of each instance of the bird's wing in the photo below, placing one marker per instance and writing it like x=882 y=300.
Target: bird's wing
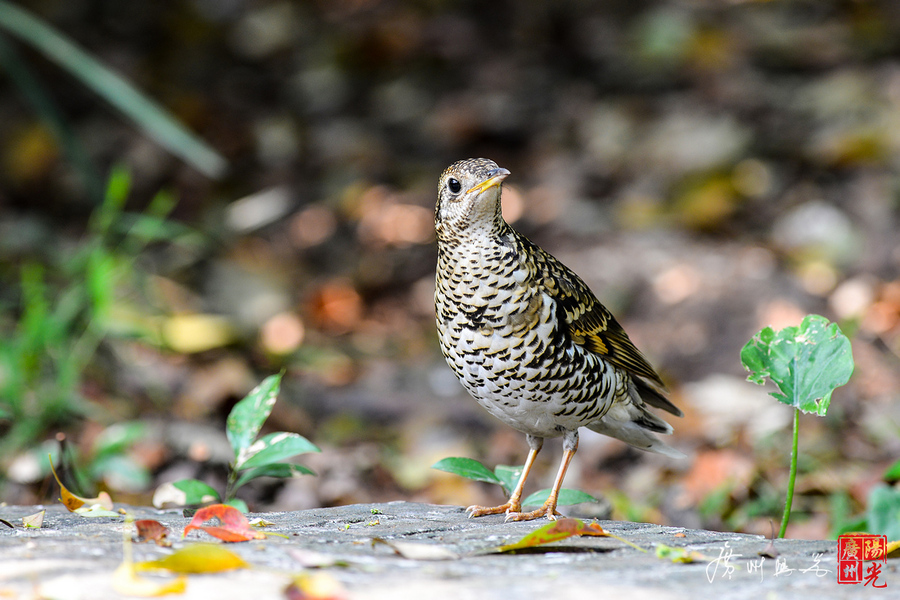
x=587 y=322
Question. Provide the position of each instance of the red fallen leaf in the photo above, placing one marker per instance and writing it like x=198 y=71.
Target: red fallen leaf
x=234 y=526
x=152 y=530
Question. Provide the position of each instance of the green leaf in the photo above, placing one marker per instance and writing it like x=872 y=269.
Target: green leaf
x=119 y=437
x=195 y=492
x=248 y=415
x=883 y=515
x=566 y=497
x=121 y=472
x=274 y=448
x=238 y=504
x=468 y=468
x=281 y=470
x=893 y=472
x=806 y=363
x=509 y=476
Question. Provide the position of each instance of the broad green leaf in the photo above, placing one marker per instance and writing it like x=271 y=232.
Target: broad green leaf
x=281 y=470
x=274 y=448
x=893 y=472
x=238 y=504
x=248 y=415
x=121 y=472
x=806 y=363
x=468 y=468
x=566 y=497
x=883 y=515
x=509 y=476
x=195 y=492
x=116 y=438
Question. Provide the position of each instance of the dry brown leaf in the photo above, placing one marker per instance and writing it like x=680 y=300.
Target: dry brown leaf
x=152 y=530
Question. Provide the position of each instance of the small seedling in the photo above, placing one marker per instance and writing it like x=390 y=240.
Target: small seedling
x=506 y=477
x=252 y=457
x=806 y=363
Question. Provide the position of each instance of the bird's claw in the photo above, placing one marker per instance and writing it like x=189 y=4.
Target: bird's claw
x=480 y=511
x=545 y=511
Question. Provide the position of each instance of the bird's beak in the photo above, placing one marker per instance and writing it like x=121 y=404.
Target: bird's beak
x=495 y=177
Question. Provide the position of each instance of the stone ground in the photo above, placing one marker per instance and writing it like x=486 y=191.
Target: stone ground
x=73 y=557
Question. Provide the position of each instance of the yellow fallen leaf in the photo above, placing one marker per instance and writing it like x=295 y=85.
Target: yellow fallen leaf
x=73 y=502
x=196 y=558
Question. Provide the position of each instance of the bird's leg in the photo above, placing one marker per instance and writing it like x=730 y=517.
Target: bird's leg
x=570 y=445
x=514 y=504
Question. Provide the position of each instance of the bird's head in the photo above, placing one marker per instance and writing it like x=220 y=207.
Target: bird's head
x=469 y=198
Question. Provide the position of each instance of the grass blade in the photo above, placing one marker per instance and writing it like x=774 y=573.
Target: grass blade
x=145 y=112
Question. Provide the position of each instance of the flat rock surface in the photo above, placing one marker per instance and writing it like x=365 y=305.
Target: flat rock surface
x=446 y=557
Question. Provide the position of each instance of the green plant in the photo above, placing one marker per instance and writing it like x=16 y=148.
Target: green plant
x=882 y=515
x=66 y=310
x=252 y=457
x=506 y=477
x=806 y=363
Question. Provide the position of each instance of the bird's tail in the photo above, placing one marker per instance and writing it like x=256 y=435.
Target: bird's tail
x=631 y=422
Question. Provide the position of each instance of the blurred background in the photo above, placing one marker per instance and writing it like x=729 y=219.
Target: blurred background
x=708 y=167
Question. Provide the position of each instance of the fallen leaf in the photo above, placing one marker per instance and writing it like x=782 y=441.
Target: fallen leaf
x=96 y=510
x=234 y=526
x=318 y=586
x=417 y=550
x=73 y=502
x=34 y=521
x=196 y=558
x=151 y=530
x=551 y=532
x=316 y=560
x=560 y=530
x=7 y=523
x=679 y=555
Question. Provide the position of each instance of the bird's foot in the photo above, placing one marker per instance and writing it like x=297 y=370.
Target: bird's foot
x=547 y=510
x=480 y=511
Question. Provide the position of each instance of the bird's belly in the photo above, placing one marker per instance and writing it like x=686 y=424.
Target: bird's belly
x=536 y=389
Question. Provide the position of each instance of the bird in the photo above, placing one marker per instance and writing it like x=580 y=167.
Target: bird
x=528 y=339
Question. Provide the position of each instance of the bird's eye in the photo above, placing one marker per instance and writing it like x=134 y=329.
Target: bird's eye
x=454 y=185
